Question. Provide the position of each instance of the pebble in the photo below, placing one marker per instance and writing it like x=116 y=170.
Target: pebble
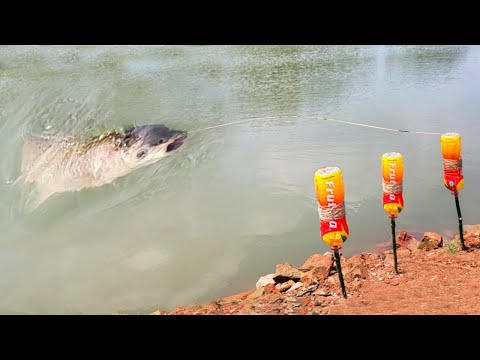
x=297 y=285
x=307 y=290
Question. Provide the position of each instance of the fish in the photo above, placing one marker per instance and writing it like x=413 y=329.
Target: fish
x=57 y=165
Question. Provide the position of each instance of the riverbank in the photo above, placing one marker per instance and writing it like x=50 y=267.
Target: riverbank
x=435 y=277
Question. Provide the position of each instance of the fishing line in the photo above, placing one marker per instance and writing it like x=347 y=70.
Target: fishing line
x=308 y=117
x=315 y=118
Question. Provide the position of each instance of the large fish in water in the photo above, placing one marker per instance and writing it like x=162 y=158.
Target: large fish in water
x=58 y=165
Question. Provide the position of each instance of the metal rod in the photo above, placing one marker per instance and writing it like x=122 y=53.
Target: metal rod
x=394 y=243
x=460 y=225
x=339 y=270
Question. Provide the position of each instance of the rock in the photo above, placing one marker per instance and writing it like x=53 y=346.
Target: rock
x=318 y=261
x=355 y=271
x=309 y=278
x=403 y=253
x=265 y=280
x=316 y=275
x=405 y=240
x=370 y=258
x=333 y=269
x=413 y=245
x=333 y=279
x=237 y=297
x=471 y=238
x=159 y=312
x=295 y=286
x=271 y=288
x=430 y=241
x=472 y=228
x=256 y=294
x=354 y=260
x=275 y=300
x=287 y=285
x=308 y=290
x=210 y=308
x=285 y=272
x=321 y=292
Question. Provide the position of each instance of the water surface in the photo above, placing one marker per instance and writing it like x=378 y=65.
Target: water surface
x=233 y=201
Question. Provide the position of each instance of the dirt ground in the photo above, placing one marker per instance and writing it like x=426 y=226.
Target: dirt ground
x=435 y=277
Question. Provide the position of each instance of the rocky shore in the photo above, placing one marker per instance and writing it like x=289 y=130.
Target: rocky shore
x=436 y=277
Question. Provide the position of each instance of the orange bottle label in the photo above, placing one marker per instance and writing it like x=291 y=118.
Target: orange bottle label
x=453 y=179
x=451 y=144
x=393 y=203
x=334 y=232
x=329 y=186
x=392 y=167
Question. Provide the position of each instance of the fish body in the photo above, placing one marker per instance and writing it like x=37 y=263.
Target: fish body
x=53 y=166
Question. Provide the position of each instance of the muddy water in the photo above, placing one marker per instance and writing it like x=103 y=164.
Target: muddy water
x=233 y=201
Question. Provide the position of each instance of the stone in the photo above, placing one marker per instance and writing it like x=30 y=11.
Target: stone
x=321 y=292
x=354 y=260
x=308 y=290
x=237 y=297
x=287 y=285
x=318 y=261
x=309 y=278
x=295 y=286
x=413 y=245
x=355 y=271
x=472 y=228
x=285 y=272
x=431 y=241
x=271 y=288
x=405 y=240
x=265 y=280
x=471 y=238
x=316 y=275
x=275 y=300
x=256 y=294
x=370 y=258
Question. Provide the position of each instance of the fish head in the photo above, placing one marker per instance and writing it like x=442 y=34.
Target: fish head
x=144 y=145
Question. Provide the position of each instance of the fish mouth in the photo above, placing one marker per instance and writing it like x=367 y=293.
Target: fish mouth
x=177 y=142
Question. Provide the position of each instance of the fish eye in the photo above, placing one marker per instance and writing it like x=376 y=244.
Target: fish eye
x=141 y=153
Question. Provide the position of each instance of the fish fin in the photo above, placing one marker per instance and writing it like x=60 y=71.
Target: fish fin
x=33 y=147
x=37 y=197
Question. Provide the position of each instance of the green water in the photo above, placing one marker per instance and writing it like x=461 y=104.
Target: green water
x=234 y=201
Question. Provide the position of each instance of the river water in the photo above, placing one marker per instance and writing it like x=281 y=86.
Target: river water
x=233 y=201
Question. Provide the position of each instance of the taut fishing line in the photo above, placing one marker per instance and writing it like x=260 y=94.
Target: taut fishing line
x=314 y=118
